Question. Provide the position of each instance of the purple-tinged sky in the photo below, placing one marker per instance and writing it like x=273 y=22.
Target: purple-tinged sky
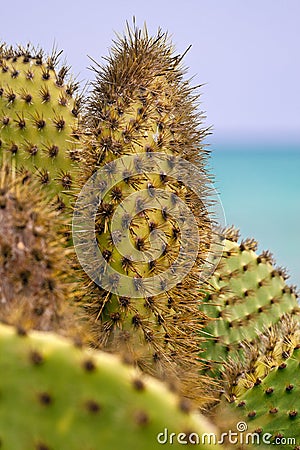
x=246 y=51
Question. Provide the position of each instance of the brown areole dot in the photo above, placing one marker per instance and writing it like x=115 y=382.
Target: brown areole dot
x=289 y=387
x=36 y=358
x=185 y=405
x=14 y=149
x=282 y=366
x=92 y=406
x=42 y=446
x=138 y=384
x=141 y=418
x=269 y=390
x=45 y=398
x=89 y=365
x=21 y=331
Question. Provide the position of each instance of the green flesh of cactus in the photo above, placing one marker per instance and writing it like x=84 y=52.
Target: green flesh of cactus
x=56 y=396
x=249 y=295
x=140 y=105
x=38 y=117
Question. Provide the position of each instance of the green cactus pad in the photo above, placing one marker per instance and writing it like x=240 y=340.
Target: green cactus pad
x=56 y=396
x=141 y=107
x=273 y=405
x=38 y=118
x=249 y=294
x=264 y=389
x=36 y=281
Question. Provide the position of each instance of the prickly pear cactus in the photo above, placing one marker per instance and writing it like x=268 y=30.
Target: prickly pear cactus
x=264 y=388
x=141 y=114
x=35 y=281
x=38 y=118
x=55 y=396
x=249 y=294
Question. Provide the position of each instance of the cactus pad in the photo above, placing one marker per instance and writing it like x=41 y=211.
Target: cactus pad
x=264 y=388
x=56 y=396
x=249 y=294
x=38 y=117
x=35 y=279
x=141 y=109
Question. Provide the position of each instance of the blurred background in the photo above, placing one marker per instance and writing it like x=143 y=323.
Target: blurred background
x=247 y=55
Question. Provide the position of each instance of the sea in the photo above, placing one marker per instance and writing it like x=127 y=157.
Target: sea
x=259 y=189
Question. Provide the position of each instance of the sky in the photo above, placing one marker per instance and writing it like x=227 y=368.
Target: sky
x=246 y=52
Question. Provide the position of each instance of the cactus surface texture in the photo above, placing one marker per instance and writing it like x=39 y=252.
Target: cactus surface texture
x=36 y=282
x=249 y=294
x=38 y=117
x=263 y=387
x=57 y=396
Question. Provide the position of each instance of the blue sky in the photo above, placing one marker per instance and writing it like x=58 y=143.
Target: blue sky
x=246 y=51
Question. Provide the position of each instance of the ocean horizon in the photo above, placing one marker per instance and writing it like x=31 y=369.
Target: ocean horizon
x=259 y=188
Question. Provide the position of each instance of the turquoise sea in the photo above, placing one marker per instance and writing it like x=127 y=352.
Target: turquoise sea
x=260 y=192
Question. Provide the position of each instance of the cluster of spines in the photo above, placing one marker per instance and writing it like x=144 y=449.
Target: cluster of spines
x=28 y=55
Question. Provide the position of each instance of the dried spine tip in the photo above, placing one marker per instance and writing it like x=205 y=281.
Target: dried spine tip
x=231 y=233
